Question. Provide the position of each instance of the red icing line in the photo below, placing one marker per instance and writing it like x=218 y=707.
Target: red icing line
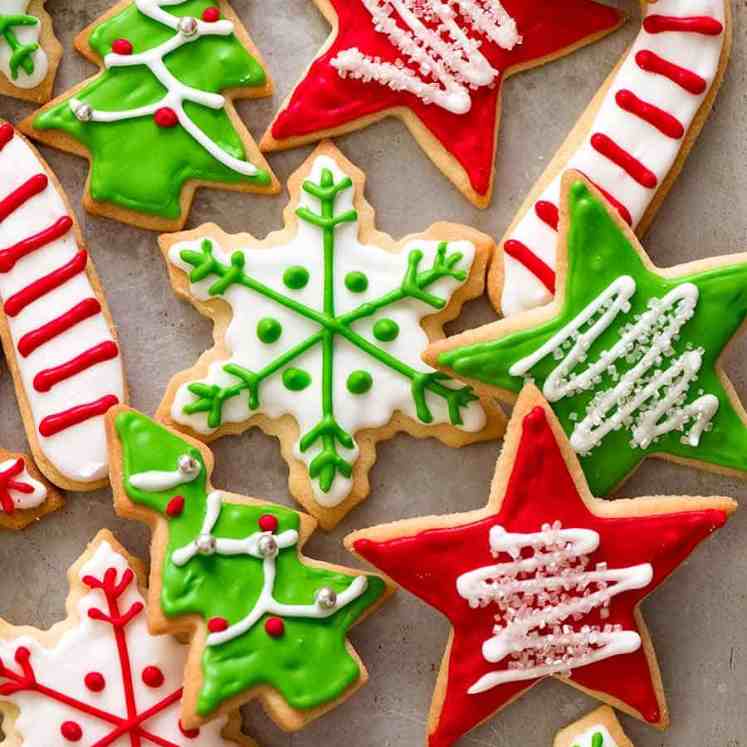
x=663 y=121
x=11 y=255
x=26 y=191
x=37 y=337
x=522 y=253
x=32 y=292
x=624 y=212
x=6 y=134
x=607 y=147
x=53 y=424
x=46 y=379
x=684 y=78
x=547 y=213
x=7 y=483
x=656 y=24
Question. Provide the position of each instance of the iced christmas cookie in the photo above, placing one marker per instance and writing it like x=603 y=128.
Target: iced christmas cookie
x=267 y=622
x=326 y=321
x=628 y=355
x=599 y=729
x=631 y=142
x=545 y=581
x=24 y=494
x=56 y=330
x=159 y=120
x=29 y=50
x=436 y=64
x=99 y=677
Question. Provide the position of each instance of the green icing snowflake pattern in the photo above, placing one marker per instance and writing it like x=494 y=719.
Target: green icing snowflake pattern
x=21 y=55
x=597 y=740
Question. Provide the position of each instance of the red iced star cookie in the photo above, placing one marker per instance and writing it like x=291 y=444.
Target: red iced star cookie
x=437 y=65
x=544 y=581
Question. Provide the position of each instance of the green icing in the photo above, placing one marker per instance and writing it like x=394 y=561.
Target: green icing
x=20 y=54
x=135 y=163
x=309 y=665
x=295 y=379
x=269 y=330
x=356 y=282
x=328 y=462
x=296 y=277
x=359 y=382
x=598 y=254
x=386 y=330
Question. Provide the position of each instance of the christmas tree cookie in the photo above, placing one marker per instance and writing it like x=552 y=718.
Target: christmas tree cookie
x=600 y=728
x=326 y=321
x=99 y=677
x=159 y=121
x=545 y=581
x=29 y=50
x=267 y=622
x=24 y=494
x=438 y=66
x=629 y=355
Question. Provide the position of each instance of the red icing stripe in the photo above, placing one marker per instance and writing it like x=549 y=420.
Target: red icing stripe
x=663 y=121
x=6 y=134
x=45 y=380
x=37 y=337
x=7 y=483
x=26 y=191
x=19 y=301
x=688 y=24
x=624 y=212
x=522 y=253
x=60 y=421
x=607 y=147
x=11 y=255
x=684 y=78
x=547 y=213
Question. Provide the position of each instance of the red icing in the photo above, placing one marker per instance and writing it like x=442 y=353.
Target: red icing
x=11 y=255
x=547 y=213
x=71 y=731
x=656 y=24
x=211 y=14
x=663 y=121
x=7 y=483
x=217 y=624
x=268 y=523
x=189 y=733
x=78 y=313
x=175 y=506
x=324 y=101
x=684 y=78
x=153 y=676
x=6 y=134
x=606 y=146
x=122 y=46
x=540 y=490
x=32 y=186
x=274 y=627
x=46 y=379
x=166 y=117
x=61 y=420
x=522 y=253
x=95 y=682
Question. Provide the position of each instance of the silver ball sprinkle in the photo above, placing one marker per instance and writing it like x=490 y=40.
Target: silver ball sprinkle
x=187 y=26
x=188 y=465
x=82 y=112
x=206 y=544
x=267 y=546
x=326 y=598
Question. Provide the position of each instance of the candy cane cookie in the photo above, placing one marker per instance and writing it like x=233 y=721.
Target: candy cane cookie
x=55 y=326
x=631 y=141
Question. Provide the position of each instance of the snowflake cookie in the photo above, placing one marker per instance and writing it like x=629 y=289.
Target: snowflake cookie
x=267 y=622
x=24 y=494
x=545 y=581
x=600 y=728
x=99 y=677
x=326 y=321
x=158 y=121
x=628 y=355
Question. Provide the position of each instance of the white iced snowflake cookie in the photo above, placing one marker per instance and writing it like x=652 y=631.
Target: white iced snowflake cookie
x=600 y=728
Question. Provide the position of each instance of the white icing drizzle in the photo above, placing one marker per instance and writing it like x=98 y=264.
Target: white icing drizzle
x=24 y=501
x=266 y=604
x=24 y=35
x=155 y=481
x=445 y=62
x=176 y=91
x=536 y=595
x=654 y=388
x=657 y=151
x=585 y=739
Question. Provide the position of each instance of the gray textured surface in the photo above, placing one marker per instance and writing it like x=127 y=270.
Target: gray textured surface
x=697 y=620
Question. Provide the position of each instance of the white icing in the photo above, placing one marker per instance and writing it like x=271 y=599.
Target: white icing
x=442 y=59
x=266 y=603
x=23 y=501
x=585 y=739
x=24 y=35
x=78 y=452
x=91 y=646
x=649 y=398
x=698 y=53
x=155 y=480
x=390 y=393
x=542 y=598
x=176 y=91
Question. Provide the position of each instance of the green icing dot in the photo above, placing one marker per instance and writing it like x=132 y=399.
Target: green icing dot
x=359 y=382
x=356 y=282
x=269 y=330
x=296 y=277
x=295 y=379
x=386 y=330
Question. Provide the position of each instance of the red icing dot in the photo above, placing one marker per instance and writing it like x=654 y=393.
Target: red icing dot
x=268 y=523
x=153 y=676
x=217 y=624
x=189 y=733
x=166 y=117
x=211 y=14
x=71 y=731
x=175 y=506
x=95 y=682
x=275 y=627
x=122 y=46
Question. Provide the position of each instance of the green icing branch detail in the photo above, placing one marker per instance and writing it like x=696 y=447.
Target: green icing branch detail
x=21 y=54
x=414 y=285
x=596 y=741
